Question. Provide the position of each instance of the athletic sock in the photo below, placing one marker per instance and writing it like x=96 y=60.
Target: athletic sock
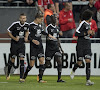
x=27 y=70
x=41 y=71
x=10 y=64
x=75 y=67
x=88 y=71
x=21 y=68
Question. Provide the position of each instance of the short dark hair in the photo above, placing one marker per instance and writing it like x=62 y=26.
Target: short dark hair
x=53 y=19
x=48 y=6
x=22 y=14
x=38 y=15
x=87 y=14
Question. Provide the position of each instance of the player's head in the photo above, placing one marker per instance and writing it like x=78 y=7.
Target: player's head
x=39 y=18
x=49 y=6
x=53 y=19
x=22 y=18
x=87 y=15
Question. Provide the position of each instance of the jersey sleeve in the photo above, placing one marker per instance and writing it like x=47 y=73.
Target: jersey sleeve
x=12 y=27
x=80 y=30
x=44 y=33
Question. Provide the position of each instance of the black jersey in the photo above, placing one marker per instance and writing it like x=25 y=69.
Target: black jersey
x=54 y=31
x=83 y=40
x=18 y=30
x=35 y=32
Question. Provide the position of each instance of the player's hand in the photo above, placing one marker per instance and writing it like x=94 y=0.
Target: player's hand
x=17 y=38
x=52 y=37
x=26 y=39
x=90 y=32
x=62 y=51
x=70 y=20
x=61 y=33
x=36 y=42
x=93 y=32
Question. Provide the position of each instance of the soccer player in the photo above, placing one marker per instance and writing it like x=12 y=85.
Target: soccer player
x=36 y=47
x=83 y=48
x=53 y=47
x=18 y=32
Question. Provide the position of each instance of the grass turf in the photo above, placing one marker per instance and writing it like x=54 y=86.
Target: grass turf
x=78 y=83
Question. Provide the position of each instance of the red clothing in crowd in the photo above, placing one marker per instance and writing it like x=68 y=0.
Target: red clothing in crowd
x=63 y=20
x=44 y=3
x=97 y=4
x=93 y=25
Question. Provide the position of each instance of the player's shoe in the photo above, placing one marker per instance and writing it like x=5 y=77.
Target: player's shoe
x=72 y=75
x=88 y=83
x=21 y=80
x=38 y=78
x=60 y=80
x=42 y=81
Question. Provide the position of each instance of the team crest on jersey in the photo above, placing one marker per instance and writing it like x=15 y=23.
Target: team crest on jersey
x=18 y=28
x=25 y=28
x=52 y=30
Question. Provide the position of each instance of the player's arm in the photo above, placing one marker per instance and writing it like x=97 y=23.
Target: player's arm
x=60 y=46
x=30 y=36
x=14 y=38
x=10 y=29
x=26 y=35
x=40 y=6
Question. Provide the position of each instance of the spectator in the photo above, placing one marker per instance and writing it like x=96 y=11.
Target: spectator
x=91 y=7
x=9 y=3
x=59 y=4
x=29 y=2
x=97 y=5
x=48 y=12
x=98 y=19
x=43 y=5
x=66 y=21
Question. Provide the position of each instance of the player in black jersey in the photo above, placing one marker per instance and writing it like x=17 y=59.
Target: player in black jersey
x=83 y=47
x=18 y=32
x=36 y=47
x=53 y=47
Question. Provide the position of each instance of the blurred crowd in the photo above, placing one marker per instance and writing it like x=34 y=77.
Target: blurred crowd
x=65 y=13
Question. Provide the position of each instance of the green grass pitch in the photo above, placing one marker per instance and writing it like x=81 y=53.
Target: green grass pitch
x=78 y=83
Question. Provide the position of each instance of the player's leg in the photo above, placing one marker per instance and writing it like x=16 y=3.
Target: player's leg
x=13 y=51
x=33 y=57
x=59 y=66
x=88 y=69
x=29 y=67
x=41 y=70
x=80 y=58
x=8 y=68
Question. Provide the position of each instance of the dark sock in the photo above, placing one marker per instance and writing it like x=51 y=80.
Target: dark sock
x=88 y=71
x=41 y=71
x=75 y=67
x=27 y=70
x=59 y=68
x=21 y=68
x=10 y=64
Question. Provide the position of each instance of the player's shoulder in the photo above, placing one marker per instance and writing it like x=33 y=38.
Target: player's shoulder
x=26 y=23
x=33 y=23
x=14 y=23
